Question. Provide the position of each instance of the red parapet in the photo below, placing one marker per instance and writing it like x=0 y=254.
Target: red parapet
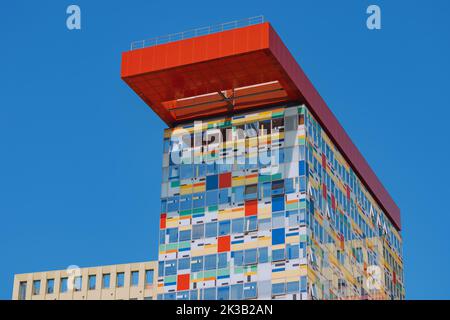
x=232 y=71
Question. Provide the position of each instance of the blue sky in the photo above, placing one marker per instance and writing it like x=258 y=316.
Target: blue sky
x=79 y=179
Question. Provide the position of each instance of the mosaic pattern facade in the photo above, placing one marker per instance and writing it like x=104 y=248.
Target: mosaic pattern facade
x=262 y=206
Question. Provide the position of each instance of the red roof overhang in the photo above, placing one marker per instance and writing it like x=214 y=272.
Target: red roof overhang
x=190 y=79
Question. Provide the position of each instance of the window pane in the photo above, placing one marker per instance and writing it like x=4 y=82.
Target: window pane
x=149 y=274
x=210 y=262
x=224 y=228
x=92 y=279
x=237 y=225
x=263 y=255
x=210 y=294
x=120 y=279
x=106 y=280
x=293 y=287
x=278 y=288
x=50 y=286
x=198 y=231
x=250 y=256
x=64 y=287
x=77 y=283
x=277 y=254
x=22 y=290
x=211 y=230
x=223 y=293
x=36 y=287
x=197 y=264
x=250 y=290
x=236 y=291
x=134 y=278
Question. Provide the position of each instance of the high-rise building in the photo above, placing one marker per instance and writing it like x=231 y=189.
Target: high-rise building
x=263 y=195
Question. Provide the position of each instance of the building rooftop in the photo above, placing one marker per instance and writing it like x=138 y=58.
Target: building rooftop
x=234 y=70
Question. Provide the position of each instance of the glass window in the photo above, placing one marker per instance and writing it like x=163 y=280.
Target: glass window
x=293 y=218
x=211 y=262
x=171 y=267
x=22 y=290
x=173 y=235
x=186 y=171
x=251 y=223
x=278 y=220
x=303 y=283
x=193 y=295
x=250 y=290
x=277 y=254
x=251 y=129
x=36 y=287
x=224 y=227
x=289 y=185
x=91 y=281
x=237 y=226
x=172 y=204
x=186 y=202
x=238 y=257
x=160 y=268
x=64 y=285
x=264 y=127
x=265 y=190
x=293 y=251
x=212 y=198
x=77 y=283
x=149 y=274
x=50 y=286
x=236 y=291
x=222 y=260
x=293 y=287
x=185 y=235
x=184 y=263
x=198 y=231
x=250 y=256
x=134 y=278
x=265 y=224
x=238 y=194
x=263 y=255
x=162 y=236
x=251 y=192
x=198 y=200
x=120 y=279
x=197 y=264
x=278 y=187
x=278 y=125
x=211 y=229
x=223 y=293
x=209 y=294
x=224 y=196
x=106 y=280
x=278 y=288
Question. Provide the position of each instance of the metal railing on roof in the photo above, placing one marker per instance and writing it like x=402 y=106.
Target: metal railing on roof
x=197 y=32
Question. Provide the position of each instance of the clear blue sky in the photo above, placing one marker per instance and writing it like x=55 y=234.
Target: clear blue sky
x=80 y=153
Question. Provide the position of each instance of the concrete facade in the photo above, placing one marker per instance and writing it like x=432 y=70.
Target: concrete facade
x=133 y=281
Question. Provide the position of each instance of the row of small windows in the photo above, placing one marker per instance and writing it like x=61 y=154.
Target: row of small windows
x=240 y=258
x=237 y=195
x=232 y=133
x=239 y=291
x=292 y=218
x=92 y=283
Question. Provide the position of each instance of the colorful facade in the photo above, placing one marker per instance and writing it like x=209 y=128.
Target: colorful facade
x=299 y=226
x=264 y=195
